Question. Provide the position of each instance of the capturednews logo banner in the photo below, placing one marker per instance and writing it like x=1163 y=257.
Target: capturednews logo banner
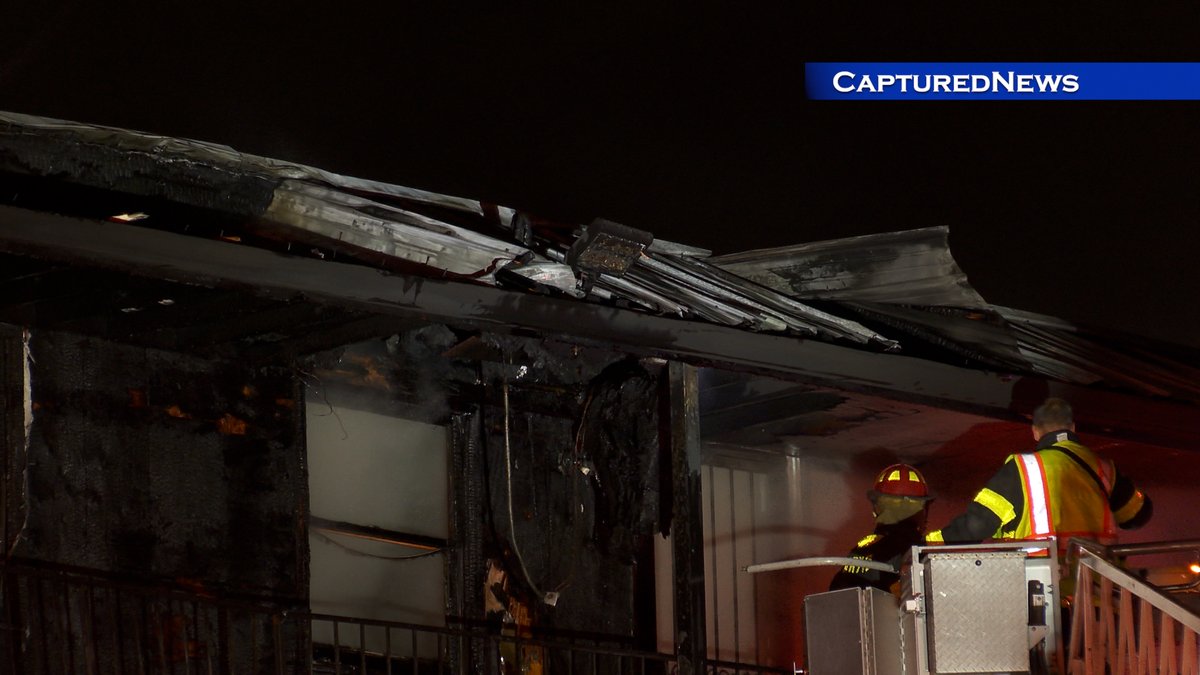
x=1002 y=81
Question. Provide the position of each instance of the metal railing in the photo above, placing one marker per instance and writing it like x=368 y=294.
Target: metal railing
x=375 y=646
x=60 y=619
x=1123 y=624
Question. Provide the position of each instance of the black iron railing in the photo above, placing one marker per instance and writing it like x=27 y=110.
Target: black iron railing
x=60 y=619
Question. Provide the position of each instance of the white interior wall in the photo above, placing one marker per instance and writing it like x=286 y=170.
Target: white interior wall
x=729 y=534
x=387 y=472
x=805 y=506
x=664 y=594
x=371 y=469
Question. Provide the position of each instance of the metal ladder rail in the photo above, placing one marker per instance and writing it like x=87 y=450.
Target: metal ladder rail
x=1146 y=632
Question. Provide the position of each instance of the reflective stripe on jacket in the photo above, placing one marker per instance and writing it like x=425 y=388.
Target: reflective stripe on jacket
x=1044 y=493
x=1060 y=498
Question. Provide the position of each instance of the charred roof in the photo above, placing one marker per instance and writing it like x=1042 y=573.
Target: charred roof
x=275 y=253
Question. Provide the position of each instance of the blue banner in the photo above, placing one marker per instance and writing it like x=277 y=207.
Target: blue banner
x=1002 y=81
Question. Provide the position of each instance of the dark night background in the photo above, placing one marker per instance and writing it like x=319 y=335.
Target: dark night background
x=692 y=126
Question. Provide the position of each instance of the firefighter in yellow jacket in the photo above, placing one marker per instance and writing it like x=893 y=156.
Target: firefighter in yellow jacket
x=1060 y=489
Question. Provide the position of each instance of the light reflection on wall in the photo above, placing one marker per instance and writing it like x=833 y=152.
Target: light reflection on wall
x=375 y=470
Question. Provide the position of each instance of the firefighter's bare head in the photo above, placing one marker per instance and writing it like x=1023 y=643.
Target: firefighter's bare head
x=1053 y=415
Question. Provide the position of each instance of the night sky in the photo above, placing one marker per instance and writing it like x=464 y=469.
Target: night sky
x=692 y=126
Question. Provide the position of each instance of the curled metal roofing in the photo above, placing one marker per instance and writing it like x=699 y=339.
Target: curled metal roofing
x=892 y=291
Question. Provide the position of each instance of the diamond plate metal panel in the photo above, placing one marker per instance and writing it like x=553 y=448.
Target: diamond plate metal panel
x=977 y=612
x=854 y=631
x=884 y=641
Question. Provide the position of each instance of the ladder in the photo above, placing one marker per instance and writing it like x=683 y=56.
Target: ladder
x=1124 y=625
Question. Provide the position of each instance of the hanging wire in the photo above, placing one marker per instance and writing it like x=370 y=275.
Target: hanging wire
x=320 y=391
x=364 y=554
x=512 y=528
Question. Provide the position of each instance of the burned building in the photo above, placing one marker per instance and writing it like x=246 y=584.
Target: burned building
x=263 y=417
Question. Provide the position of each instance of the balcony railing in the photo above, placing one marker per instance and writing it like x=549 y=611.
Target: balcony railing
x=60 y=619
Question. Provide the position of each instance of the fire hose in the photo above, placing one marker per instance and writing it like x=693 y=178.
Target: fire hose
x=819 y=562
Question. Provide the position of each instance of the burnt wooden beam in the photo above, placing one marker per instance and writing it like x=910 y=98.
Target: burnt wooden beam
x=152 y=253
x=687 y=527
x=466 y=564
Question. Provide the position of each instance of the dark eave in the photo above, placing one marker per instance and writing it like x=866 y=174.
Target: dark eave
x=221 y=265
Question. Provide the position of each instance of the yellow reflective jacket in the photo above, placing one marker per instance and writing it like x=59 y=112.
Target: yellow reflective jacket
x=1061 y=498
x=1048 y=493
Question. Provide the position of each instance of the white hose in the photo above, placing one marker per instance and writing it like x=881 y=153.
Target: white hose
x=819 y=562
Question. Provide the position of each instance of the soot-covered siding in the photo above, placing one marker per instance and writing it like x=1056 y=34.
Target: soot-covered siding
x=566 y=452
x=163 y=465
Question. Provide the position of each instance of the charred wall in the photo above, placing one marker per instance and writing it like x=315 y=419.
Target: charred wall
x=12 y=432
x=557 y=465
x=164 y=465
x=572 y=454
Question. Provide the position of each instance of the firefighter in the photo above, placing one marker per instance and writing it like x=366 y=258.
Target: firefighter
x=900 y=501
x=1071 y=492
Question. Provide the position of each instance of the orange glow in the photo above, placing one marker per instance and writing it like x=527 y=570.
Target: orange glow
x=137 y=398
x=1195 y=568
x=175 y=411
x=230 y=425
